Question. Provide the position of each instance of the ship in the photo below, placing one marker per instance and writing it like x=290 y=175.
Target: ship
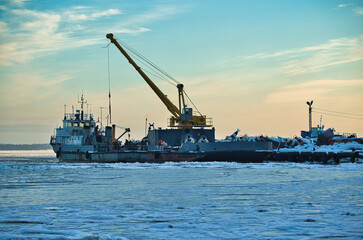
x=82 y=139
x=190 y=135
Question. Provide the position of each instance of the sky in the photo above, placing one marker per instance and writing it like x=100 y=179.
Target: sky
x=247 y=64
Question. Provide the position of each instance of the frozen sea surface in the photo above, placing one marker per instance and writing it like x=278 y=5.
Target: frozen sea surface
x=40 y=198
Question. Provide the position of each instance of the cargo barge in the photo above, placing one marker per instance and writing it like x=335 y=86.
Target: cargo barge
x=190 y=135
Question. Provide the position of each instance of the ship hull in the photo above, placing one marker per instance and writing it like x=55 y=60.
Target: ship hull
x=191 y=152
x=216 y=151
x=216 y=156
x=106 y=157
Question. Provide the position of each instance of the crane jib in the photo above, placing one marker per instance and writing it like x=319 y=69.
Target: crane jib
x=182 y=117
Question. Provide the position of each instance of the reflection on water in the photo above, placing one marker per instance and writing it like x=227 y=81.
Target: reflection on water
x=42 y=199
x=28 y=155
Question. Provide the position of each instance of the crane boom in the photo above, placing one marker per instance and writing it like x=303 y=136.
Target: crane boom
x=182 y=117
x=171 y=107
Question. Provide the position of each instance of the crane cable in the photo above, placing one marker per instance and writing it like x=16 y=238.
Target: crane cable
x=150 y=70
x=192 y=103
x=156 y=71
x=109 y=82
x=336 y=115
x=358 y=115
x=149 y=62
x=123 y=128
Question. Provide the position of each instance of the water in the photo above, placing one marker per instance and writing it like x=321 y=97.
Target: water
x=40 y=198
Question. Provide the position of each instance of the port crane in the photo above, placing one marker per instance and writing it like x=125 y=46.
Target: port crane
x=182 y=116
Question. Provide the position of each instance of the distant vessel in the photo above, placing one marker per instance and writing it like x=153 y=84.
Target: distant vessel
x=81 y=139
x=191 y=137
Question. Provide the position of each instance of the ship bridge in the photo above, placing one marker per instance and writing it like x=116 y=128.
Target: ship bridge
x=78 y=120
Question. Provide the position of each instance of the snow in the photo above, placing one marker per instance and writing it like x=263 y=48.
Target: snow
x=335 y=148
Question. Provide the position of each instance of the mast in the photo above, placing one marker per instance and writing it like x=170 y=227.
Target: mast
x=82 y=102
x=310 y=117
x=109 y=84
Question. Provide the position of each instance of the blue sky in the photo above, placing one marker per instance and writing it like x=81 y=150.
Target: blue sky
x=247 y=64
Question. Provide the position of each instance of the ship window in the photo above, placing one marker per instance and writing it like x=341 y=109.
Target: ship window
x=69 y=124
x=86 y=124
x=76 y=124
x=81 y=124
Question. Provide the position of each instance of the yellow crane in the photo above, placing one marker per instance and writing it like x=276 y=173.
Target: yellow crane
x=183 y=116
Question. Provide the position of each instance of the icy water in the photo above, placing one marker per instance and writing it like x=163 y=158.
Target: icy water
x=43 y=199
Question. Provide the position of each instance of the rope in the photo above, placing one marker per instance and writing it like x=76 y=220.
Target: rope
x=359 y=115
x=192 y=103
x=123 y=128
x=155 y=70
x=336 y=115
x=109 y=82
x=148 y=61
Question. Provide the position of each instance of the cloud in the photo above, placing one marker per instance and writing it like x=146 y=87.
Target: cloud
x=33 y=88
x=108 y=12
x=43 y=34
x=158 y=13
x=344 y=5
x=81 y=7
x=48 y=32
x=309 y=90
x=3 y=27
x=133 y=31
x=316 y=58
x=71 y=16
x=83 y=13
x=358 y=11
x=19 y=3
x=335 y=43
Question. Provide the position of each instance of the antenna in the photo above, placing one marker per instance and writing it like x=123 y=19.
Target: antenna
x=65 y=111
x=310 y=117
x=145 y=125
x=101 y=114
x=109 y=83
x=108 y=117
x=82 y=102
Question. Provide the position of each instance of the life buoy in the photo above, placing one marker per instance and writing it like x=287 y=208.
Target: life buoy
x=160 y=142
